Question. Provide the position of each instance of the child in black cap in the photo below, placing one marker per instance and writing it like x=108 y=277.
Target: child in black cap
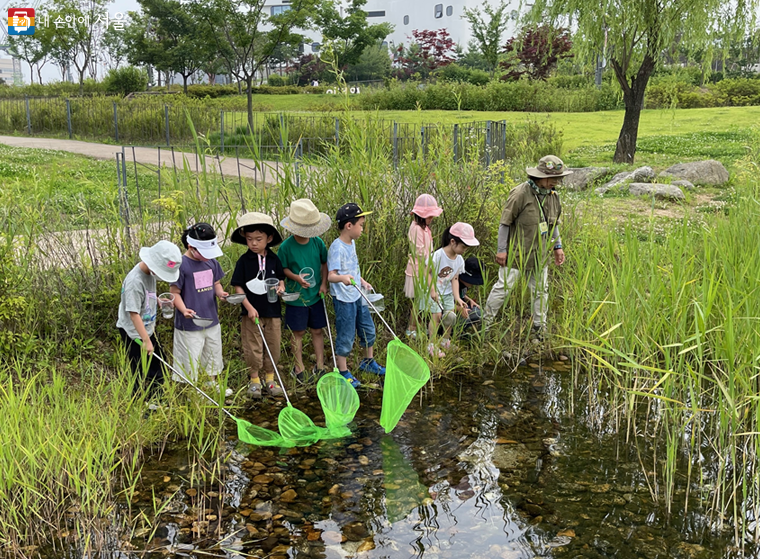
x=352 y=318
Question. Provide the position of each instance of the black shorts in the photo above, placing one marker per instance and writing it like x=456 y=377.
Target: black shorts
x=297 y=319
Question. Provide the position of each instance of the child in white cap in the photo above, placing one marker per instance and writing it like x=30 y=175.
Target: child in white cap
x=199 y=348
x=138 y=309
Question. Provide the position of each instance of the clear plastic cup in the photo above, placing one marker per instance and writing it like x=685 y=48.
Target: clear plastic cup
x=272 y=284
x=308 y=275
x=166 y=302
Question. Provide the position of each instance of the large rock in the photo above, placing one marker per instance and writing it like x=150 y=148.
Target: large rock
x=709 y=172
x=658 y=190
x=643 y=174
x=683 y=184
x=583 y=177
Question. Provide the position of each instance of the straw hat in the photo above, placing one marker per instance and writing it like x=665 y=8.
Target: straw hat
x=305 y=220
x=255 y=218
x=163 y=259
x=549 y=166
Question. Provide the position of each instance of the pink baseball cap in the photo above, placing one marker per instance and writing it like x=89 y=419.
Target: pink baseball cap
x=465 y=232
x=426 y=206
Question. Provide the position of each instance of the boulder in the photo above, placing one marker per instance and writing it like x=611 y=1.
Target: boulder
x=583 y=177
x=709 y=172
x=658 y=190
x=617 y=179
x=683 y=184
x=643 y=174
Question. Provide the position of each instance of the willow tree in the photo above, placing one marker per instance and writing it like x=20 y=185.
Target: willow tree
x=636 y=32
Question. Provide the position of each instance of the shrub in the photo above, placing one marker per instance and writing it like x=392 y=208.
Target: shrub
x=276 y=80
x=456 y=73
x=125 y=80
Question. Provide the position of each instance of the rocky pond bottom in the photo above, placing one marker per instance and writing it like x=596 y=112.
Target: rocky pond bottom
x=479 y=467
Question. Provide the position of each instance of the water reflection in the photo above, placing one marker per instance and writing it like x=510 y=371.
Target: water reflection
x=501 y=467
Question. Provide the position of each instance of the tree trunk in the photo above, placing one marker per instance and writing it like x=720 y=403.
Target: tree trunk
x=184 y=83
x=31 y=72
x=249 y=92
x=633 y=98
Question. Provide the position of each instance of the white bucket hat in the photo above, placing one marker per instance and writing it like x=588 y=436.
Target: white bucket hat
x=305 y=220
x=163 y=259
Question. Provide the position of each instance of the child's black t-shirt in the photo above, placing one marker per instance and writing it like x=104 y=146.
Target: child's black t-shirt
x=246 y=269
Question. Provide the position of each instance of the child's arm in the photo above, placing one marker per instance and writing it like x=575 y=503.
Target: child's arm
x=219 y=290
x=252 y=312
x=299 y=279
x=457 y=299
x=323 y=288
x=335 y=277
x=140 y=327
x=179 y=304
x=281 y=287
x=471 y=302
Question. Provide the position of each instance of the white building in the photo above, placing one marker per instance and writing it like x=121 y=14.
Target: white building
x=408 y=15
x=10 y=70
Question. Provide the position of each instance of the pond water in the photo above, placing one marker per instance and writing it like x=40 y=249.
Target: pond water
x=479 y=467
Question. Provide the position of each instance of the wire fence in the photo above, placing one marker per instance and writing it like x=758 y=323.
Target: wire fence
x=267 y=135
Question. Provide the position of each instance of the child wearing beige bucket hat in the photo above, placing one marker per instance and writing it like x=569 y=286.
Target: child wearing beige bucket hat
x=253 y=268
x=138 y=309
x=304 y=260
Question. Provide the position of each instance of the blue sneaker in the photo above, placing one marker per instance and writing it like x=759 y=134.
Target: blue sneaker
x=371 y=366
x=351 y=378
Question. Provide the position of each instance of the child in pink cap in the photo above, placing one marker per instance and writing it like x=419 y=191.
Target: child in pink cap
x=419 y=281
x=447 y=263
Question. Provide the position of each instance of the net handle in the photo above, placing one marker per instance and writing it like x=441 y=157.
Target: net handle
x=264 y=342
x=183 y=377
x=374 y=309
x=329 y=332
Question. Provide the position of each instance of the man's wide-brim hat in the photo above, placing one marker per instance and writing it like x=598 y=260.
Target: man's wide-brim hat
x=262 y=221
x=549 y=166
x=305 y=220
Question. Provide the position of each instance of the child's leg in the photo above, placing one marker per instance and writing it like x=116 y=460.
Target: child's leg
x=273 y=337
x=317 y=323
x=154 y=381
x=365 y=328
x=435 y=320
x=252 y=347
x=297 y=348
x=188 y=347
x=134 y=357
x=211 y=359
x=345 y=331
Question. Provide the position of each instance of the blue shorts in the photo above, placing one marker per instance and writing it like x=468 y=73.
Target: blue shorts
x=297 y=319
x=351 y=320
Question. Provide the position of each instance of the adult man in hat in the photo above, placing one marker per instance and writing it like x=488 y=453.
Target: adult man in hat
x=528 y=238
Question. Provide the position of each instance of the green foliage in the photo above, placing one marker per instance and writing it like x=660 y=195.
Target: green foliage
x=373 y=64
x=487 y=27
x=125 y=80
x=522 y=95
x=456 y=73
x=671 y=92
x=275 y=80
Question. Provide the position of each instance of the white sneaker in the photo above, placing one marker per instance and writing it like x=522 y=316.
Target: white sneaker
x=214 y=386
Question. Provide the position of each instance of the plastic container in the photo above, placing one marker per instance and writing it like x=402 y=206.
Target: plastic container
x=308 y=275
x=272 y=284
x=166 y=302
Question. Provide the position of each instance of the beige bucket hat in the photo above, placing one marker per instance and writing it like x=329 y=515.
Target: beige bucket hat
x=549 y=166
x=305 y=220
x=255 y=218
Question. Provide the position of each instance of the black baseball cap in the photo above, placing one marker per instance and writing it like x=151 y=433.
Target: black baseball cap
x=349 y=211
x=472 y=272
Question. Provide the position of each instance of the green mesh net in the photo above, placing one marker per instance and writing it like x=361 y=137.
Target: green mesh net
x=340 y=402
x=298 y=427
x=253 y=434
x=403 y=490
x=405 y=373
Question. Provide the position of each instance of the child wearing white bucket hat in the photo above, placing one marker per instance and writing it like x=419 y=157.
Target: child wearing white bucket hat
x=304 y=260
x=199 y=348
x=138 y=309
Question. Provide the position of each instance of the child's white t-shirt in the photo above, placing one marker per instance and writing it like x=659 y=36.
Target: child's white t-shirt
x=446 y=270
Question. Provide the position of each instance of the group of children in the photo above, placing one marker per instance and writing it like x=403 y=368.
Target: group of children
x=302 y=271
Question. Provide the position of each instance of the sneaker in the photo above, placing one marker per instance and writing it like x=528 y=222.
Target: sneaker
x=411 y=334
x=371 y=366
x=351 y=378
x=155 y=406
x=254 y=390
x=213 y=386
x=435 y=352
x=300 y=377
x=273 y=389
x=445 y=343
x=318 y=373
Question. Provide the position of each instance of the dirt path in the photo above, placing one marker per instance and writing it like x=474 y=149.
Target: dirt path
x=261 y=171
